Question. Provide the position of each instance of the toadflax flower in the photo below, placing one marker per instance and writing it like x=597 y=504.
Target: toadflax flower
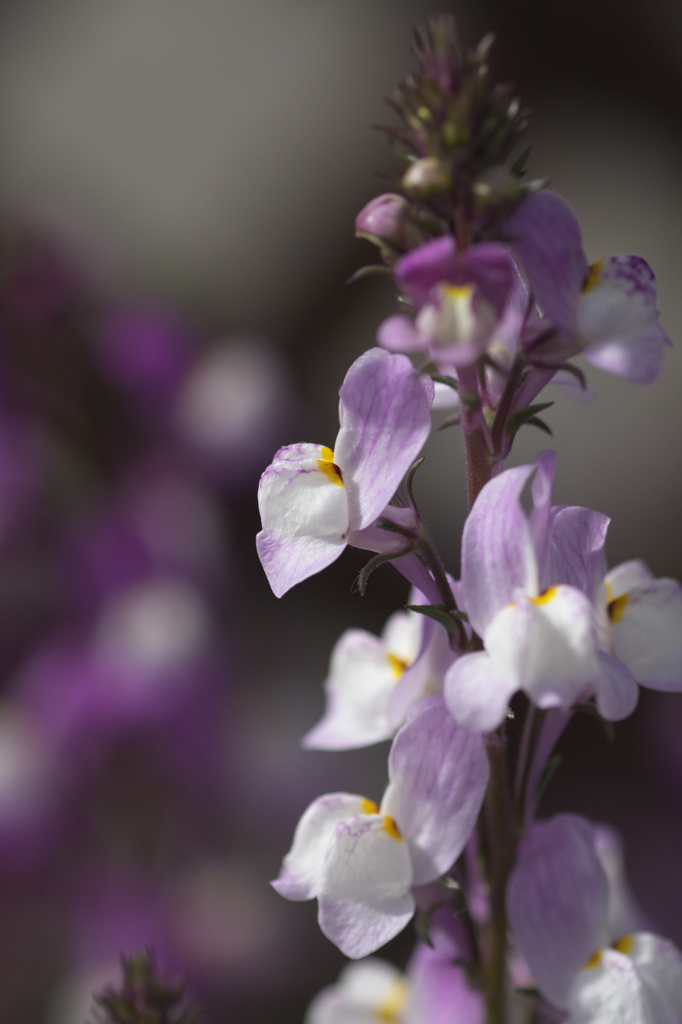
x=519 y=589
x=466 y=302
x=607 y=309
x=362 y=861
x=373 y=681
x=558 y=902
x=314 y=500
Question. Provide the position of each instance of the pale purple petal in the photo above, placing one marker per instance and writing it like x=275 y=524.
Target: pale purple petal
x=301 y=873
x=385 y=419
x=498 y=550
x=398 y=334
x=478 y=691
x=438 y=772
x=637 y=359
x=427 y=674
x=624 y=915
x=576 y=549
x=365 y=897
x=540 y=517
x=557 y=901
x=545 y=234
x=421 y=270
x=439 y=992
x=616 y=689
x=646 y=634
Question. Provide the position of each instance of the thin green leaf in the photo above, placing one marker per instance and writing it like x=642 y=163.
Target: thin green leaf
x=449 y=381
x=517 y=420
x=548 y=773
x=371 y=270
x=535 y=421
x=374 y=563
x=438 y=612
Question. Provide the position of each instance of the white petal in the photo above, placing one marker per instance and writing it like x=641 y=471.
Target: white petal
x=365 y=896
x=659 y=965
x=360 y=682
x=363 y=991
x=646 y=633
x=301 y=871
x=608 y=993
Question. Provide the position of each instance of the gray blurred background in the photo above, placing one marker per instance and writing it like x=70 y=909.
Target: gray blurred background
x=212 y=155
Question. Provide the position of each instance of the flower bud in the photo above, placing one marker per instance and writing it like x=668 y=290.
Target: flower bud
x=386 y=219
x=496 y=185
x=426 y=176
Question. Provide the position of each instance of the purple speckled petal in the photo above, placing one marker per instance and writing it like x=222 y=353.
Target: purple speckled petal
x=545 y=235
x=421 y=270
x=438 y=772
x=498 y=549
x=557 y=901
x=398 y=334
x=617 y=319
x=365 y=897
x=385 y=417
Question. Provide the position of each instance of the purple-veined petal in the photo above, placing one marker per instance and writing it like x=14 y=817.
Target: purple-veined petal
x=304 y=511
x=421 y=270
x=557 y=901
x=301 y=872
x=540 y=517
x=478 y=691
x=398 y=334
x=364 y=894
x=438 y=773
x=576 y=549
x=646 y=633
x=498 y=550
x=545 y=235
x=616 y=689
x=385 y=419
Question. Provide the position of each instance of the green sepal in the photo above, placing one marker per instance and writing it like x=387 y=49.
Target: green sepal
x=363 y=576
x=438 y=612
x=449 y=381
x=529 y=415
x=422 y=923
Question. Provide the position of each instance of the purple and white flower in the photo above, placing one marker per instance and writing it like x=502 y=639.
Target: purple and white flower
x=313 y=500
x=526 y=599
x=467 y=303
x=373 y=681
x=608 y=310
x=558 y=902
x=362 y=861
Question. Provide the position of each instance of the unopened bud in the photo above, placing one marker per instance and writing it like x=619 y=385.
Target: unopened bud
x=385 y=220
x=427 y=176
x=496 y=185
